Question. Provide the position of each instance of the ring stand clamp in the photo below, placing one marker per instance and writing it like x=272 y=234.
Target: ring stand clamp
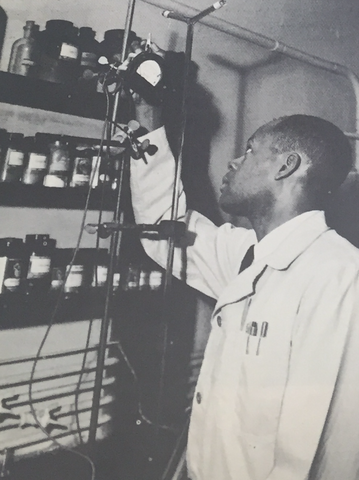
x=144 y=76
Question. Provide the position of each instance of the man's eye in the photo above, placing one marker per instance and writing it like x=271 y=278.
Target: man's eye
x=249 y=149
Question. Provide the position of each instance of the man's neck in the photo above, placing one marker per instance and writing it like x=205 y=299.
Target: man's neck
x=264 y=225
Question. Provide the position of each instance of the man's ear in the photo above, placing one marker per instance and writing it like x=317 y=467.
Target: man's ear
x=291 y=164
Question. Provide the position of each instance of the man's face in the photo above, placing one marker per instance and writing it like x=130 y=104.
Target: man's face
x=247 y=185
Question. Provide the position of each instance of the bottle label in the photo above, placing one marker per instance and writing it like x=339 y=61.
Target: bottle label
x=12 y=284
x=37 y=161
x=38 y=267
x=116 y=280
x=75 y=277
x=144 y=280
x=27 y=62
x=155 y=279
x=15 y=158
x=88 y=59
x=69 y=52
x=55 y=181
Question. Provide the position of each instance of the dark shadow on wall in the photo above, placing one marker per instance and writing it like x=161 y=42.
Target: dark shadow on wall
x=342 y=211
x=203 y=120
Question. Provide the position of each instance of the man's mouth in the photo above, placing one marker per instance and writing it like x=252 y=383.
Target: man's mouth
x=223 y=187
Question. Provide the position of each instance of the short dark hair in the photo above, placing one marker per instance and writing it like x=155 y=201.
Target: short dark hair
x=324 y=143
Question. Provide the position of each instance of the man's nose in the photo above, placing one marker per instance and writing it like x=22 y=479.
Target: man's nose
x=234 y=164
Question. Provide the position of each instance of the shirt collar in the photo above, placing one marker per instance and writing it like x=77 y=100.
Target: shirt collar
x=284 y=244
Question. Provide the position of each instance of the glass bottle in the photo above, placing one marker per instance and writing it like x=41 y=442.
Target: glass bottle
x=75 y=271
x=12 y=265
x=13 y=157
x=59 y=165
x=40 y=250
x=24 y=51
x=89 y=49
x=82 y=165
x=59 y=52
x=36 y=165
x=100 y=268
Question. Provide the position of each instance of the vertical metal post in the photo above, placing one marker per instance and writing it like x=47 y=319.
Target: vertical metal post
x=114 y=248
x=190 y=21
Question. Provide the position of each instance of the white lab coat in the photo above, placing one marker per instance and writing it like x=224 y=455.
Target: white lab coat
x=284 y=406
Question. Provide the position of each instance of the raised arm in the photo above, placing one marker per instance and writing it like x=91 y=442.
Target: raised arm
x=215 y=255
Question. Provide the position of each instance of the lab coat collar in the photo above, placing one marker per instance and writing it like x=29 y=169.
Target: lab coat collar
x=298 y=240
x=288 y=250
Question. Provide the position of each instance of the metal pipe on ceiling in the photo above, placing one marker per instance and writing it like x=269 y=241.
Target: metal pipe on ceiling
x=241 y=33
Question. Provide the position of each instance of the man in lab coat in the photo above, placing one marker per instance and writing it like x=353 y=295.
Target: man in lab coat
x=278 y=393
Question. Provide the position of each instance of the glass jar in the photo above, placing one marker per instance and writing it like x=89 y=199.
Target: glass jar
x=40 y=249
x=24 y=51
x=59 y=164
x=13 y=157
x=36 y=165
x=111 y=46
x=59 y=52
x=132 y=277
x=79 y=274
x=100 y=268
x=12 y=265
x=89 y=49
x=58 y=268
x=82 y=165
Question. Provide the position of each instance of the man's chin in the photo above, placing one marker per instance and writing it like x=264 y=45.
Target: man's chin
x=227 y=207
x=230 y=208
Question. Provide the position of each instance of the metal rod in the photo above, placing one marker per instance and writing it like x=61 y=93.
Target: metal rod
x=52 y=377
x=114 y=248
x=49 y=398
x=353 y=136
x=126 y=34
x=46 y=439
x=207 y=11
x=54 y=355
x=175 y=200
x=274 y=46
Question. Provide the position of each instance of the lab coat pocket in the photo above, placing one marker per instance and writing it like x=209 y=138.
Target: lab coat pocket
x=262 y=380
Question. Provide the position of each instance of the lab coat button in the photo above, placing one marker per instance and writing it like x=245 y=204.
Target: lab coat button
x=198 y=397
x=219 y=321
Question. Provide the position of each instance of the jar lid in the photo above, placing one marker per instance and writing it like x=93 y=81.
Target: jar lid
x=59 y=26
x=16 y=136
x=29 y=24
x=87 y=31
x=10 y=241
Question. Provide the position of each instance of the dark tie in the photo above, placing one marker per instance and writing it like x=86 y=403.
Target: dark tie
x=247 y=259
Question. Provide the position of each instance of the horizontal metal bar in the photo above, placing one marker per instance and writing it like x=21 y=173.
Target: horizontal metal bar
x=272 y=45
x=51 y=397
x=59 y=415
x=48 y=439
x=353 y=136
x=54 y=355
x=52 y=377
